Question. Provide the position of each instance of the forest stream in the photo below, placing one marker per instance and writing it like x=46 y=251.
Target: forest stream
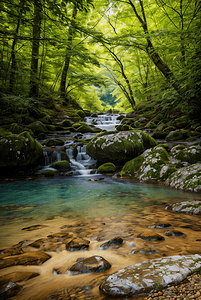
x=93 y=207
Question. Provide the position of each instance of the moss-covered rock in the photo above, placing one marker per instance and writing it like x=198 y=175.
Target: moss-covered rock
x=107 y=168
x=186 y=178
x=51 y=127
x=150 y=124
x=119 y=147
x=82 y=127
x=81 y=113
x=49 y=172
x=174 y=136
x=191 y=154
x=152 y=164
x=18 y=150
x=54 y=142
x=66 y=123
x=62 y=166
x=64 y=156
x=38 y=127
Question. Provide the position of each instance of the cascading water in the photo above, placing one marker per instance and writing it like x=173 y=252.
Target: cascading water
x=107 y=122
x=82 y=161
x=50 y=157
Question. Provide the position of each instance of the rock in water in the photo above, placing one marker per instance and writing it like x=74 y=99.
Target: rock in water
x=119 y=147
x=91 y=264
x=143 y=277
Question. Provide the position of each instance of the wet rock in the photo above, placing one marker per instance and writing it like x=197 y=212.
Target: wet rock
x=164 y=225
x=150 y=236
x=113 y=242
x=62 y=166
x=38 y=243
x=145 y=252
x=8 y=286
x=177 y=135
x=10 y=252
x=60 y=234
x=119 y=147
x=192 y=207
x=30 y=258
x=91 y=264
x=34 y=227
x=107 y=168
x=174 y=233
x=9 y=289
x=99 y=179
x=77 y=244
x=141 y=278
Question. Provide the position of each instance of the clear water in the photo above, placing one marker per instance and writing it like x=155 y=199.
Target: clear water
x=76 y=197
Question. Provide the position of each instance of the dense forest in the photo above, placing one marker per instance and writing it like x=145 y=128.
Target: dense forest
x=100 y=55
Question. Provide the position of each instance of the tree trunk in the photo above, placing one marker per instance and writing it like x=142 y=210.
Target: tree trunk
x=34 y=82
x=68 y=54
x=13 y=68
x=154 y=56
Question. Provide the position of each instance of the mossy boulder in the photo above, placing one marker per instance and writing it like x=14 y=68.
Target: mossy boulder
x=81 y=113
x=186 y=178
x=82 y=127
x=49 y=172
x=38 y=127
x=152 y=165
x=54 y=142
x=107 y=168
x=150 y=124
x=62 y=166
x=51 y=127
x=66 y=123
x=177 y=135
x=119 y=147
x=190 y=154
x=19 y=150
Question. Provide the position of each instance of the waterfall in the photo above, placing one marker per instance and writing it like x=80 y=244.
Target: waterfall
x=82 y=161
x=50 y=157
x=107 y=122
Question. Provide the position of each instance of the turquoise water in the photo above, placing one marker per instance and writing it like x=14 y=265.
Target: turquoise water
x=77 y=197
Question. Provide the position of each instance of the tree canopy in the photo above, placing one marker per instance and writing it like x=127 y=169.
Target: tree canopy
x=100 y=53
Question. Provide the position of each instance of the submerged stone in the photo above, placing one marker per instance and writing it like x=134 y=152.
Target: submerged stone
x=150 y=236
x=30 y=258
x=141 y=278
x=91 y=264
x=77 y=244
x=113 y=242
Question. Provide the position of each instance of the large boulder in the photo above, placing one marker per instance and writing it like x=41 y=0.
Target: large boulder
x=141 y=278
x=82 y=127
x=107 y=168
x=190 y=154
x=153 y=164
x=119 y=147
x=62 y=166
x=19 y=150
x=186 y=178
x=38 y=127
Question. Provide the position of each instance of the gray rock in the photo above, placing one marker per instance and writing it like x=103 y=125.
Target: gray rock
x=141 y=278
